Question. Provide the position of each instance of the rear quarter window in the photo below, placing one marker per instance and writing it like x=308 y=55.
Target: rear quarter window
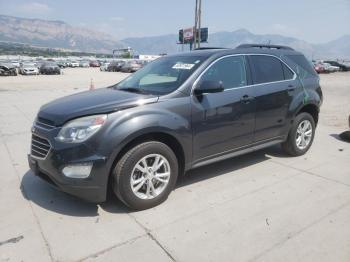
x=303 y=67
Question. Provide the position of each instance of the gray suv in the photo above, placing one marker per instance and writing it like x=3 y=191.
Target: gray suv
x=177 y=113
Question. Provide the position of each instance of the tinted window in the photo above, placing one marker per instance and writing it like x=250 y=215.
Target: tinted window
x=230 y=70
x=288 y=74
x=304 y=69
x=266 y=69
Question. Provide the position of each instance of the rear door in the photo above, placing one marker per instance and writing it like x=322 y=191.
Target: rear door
x=274 y=85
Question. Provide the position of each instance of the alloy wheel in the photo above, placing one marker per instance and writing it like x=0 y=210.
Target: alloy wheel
x=150 y=176
x=303 y=134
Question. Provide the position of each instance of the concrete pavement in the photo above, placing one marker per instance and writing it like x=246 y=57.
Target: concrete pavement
x=263 y=206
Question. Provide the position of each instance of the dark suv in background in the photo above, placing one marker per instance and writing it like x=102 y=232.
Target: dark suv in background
x=179 y=112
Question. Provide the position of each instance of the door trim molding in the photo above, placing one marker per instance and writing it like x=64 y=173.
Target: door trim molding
x=238 y=151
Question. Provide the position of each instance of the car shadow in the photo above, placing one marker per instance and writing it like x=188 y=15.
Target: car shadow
x=343 y=137
x=50 y=198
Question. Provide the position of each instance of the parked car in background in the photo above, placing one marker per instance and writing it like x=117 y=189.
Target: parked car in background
x=115 y=66
x=39 y=63
x=50 y=68
x=319 y=68
x=16 y=64
x=29 y=69
x=74 y=64
x=342 y=66
x=7 y=70
x=94 y=63
x=131 y=67
x=104 y=66
x=331 y=69
x=84 y=64
x=62 y=64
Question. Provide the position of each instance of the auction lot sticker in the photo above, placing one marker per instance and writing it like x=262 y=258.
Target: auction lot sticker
x=183 y=66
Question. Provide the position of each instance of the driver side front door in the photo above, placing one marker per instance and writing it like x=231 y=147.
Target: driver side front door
x=223 y=122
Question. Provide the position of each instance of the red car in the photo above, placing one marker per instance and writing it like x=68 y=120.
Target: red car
x=319 y=68
x=94 y=64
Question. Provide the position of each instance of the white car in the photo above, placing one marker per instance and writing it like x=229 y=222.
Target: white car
x=74 y=64
x=84 y=64
x=104 y=66
x=29 y=69
x=328 y=67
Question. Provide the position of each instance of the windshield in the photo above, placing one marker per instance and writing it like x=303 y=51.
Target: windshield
x=50 y=64
x=162 y=76
x=28 y=65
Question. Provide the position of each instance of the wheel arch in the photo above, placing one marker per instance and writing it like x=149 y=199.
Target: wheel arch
x=159 y=136
x=312 y=109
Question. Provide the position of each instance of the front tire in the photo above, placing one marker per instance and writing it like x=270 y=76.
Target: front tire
x=145 y=175
x=300 y=136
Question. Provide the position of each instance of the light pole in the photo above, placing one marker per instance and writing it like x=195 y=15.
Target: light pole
x=199 y=22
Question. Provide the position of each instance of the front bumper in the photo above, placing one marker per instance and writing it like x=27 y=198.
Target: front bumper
x=92 y=188
x=30 y=72
x=51 y=71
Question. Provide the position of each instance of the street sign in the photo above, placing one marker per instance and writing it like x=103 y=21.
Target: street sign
x=188 y=34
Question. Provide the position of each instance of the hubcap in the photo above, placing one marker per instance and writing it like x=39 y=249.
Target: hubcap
x=304 y=134
x=150 y=176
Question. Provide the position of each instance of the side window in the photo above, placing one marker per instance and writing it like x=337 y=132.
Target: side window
x=230 y=70
x=288 y=74
x=266 y=69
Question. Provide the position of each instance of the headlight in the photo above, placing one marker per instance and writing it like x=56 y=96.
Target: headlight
x=81 y=129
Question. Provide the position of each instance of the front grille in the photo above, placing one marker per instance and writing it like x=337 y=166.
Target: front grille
x=44 y=123
x=40 y=147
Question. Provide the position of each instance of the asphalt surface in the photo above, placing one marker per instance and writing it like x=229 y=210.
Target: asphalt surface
x=263 y=206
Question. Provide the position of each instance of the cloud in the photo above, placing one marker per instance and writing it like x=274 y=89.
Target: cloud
x=34 y=8
x=117 y=18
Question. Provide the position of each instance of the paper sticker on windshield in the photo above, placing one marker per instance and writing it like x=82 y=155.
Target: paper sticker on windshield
x=183 y=66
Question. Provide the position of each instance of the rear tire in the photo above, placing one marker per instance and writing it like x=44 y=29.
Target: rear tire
x=138 y=164
x=300 y=136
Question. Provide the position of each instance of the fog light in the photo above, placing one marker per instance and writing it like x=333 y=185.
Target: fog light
x=78 y=170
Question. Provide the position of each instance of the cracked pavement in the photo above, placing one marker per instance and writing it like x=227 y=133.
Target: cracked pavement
x=264 y=206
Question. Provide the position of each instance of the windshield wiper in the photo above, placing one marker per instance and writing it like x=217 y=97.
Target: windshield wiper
x=133 y=90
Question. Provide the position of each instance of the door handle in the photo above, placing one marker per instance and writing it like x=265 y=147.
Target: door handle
x=246 y=99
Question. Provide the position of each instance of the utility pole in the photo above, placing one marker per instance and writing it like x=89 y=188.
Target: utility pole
x=199 y=22
x=195 y=26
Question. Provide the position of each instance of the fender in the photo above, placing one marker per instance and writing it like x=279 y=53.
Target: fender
x=298 y=102
x=126 y=125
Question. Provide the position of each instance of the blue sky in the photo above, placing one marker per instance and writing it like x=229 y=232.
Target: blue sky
x=316 y=21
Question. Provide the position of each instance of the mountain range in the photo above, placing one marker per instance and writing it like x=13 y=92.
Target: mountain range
x=58 y=34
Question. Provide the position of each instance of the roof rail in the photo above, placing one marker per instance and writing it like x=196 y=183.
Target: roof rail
x=208 y=48
x=265 y=46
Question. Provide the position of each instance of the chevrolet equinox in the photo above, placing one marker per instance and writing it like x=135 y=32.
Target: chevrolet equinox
x=177 y=113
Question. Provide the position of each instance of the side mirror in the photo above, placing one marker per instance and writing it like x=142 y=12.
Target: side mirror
x=208 y=86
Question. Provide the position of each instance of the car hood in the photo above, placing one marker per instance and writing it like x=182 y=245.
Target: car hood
x=104 y=100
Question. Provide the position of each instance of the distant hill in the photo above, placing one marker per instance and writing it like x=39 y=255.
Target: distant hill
x=54 y=34
x=339 y=48
x=58 y=34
